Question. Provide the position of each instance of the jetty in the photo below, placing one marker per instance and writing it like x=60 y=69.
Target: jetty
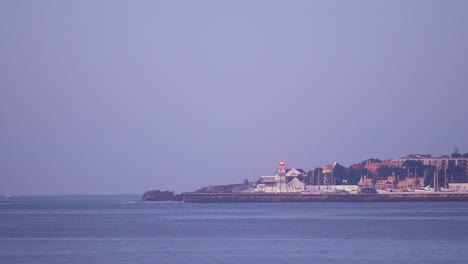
x=332 y=197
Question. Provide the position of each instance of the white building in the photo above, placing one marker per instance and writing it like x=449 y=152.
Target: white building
x=460 y=187
x=295 y=185
x=295 y=172
x=438 y=162
x=332 y=188
x=278 y=183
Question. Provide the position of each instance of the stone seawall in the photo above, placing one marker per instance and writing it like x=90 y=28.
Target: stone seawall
x=157 y=195
x=296 y=197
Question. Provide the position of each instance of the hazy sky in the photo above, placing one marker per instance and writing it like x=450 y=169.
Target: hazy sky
x=126 y=96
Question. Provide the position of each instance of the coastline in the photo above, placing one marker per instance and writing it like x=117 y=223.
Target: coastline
x=298 y=197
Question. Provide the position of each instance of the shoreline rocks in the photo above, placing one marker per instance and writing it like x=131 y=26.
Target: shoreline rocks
x=157 y=195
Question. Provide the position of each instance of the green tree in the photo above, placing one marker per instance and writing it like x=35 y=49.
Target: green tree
x=246 y=183
x=353 y=175
x=384 y=171
x=428 y=173
x=316 y=174
x=339 y=173
x=371 y=160
x=402 y=172
x=457 y=173
x=309 y=178
x=414 y=164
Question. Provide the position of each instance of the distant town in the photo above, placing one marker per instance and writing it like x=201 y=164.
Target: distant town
x=415 y=177
x=415 y=172
x=412 y=173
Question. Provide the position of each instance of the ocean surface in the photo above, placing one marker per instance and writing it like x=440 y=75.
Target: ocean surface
x=122 y=229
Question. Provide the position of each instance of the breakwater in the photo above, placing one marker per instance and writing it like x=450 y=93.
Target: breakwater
x=157 y=195
x=298 y=197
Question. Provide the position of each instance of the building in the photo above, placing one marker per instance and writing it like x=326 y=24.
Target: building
x=460 y=187
x=332 y=188
x=295 y=185
x=276 y=183
x=267 y=184
x=439 y=162
x=393 y=182
x=365 y=182
x=329 y=168
x=284 y=180
x=295 y=172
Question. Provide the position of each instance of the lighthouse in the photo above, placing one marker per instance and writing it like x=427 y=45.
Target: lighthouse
x=281 y=172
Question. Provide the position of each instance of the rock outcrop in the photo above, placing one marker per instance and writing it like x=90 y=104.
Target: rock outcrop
x=157 y=195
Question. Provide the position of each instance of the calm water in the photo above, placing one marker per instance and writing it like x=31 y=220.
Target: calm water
x=121 y=229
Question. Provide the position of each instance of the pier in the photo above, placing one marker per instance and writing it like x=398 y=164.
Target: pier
x=298 y=197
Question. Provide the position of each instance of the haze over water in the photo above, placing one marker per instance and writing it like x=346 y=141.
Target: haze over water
x=121 y=229
x=110 y=96
x=116 y=96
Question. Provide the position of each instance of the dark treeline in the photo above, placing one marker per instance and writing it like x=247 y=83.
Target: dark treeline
x=352 y=174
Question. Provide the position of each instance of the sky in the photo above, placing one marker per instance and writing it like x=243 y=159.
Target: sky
x=114 y=97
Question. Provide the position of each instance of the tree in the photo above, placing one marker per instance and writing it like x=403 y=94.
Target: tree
x=458 y=174
x=309 y=178
x=339 y=173
x=456 y=154
x=465 y=155
x=428 y=172
x=371 y=160
x=402 y=172
x=313 y=176
x=414 y=164
x=353 y=175
x=384 y=171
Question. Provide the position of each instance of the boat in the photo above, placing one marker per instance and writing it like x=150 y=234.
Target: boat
x=7 y=196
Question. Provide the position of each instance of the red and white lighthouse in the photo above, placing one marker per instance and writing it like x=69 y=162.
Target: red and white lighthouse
x=281 y=168
x=281 y=182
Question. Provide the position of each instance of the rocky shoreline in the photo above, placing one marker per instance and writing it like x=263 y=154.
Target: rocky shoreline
x=157 y=195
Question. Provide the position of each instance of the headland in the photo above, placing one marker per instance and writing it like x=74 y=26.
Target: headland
x=413 y=178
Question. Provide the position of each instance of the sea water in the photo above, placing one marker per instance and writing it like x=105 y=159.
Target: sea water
x=122 y=229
